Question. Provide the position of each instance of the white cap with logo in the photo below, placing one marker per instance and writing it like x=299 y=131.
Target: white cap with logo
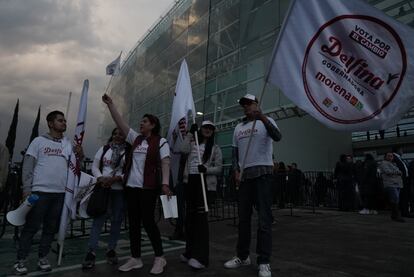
x=248 y=98
x=208 y=123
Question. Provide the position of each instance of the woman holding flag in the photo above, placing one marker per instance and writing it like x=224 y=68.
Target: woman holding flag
x=147 y=167
x=196 y=221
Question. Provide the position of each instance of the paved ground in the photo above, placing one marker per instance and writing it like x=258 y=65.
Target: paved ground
x=325 y=244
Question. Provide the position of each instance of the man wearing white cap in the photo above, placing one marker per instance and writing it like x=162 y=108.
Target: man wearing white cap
x=255 y=184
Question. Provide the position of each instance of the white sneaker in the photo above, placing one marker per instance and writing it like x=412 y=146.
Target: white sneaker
x=20 y=268
x=195 y=264
x=264 y=270
x=44 y=265
x=236 y=262
x=158 y=267
x=364 y=211
x=132 y=263
x=374 y=212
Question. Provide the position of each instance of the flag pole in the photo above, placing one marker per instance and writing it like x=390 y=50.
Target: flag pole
x=112 y=76
x=68 y=106
x=203 y=185
x=265 y=82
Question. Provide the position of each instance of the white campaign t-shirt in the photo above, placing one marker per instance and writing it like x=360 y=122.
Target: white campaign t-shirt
x=51 y=169
x=193 y=161
x=261 y=146
x=136 y=176
x=107 y=169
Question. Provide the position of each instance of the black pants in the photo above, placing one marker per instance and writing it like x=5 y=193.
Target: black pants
x=46 y=212
x=141 y=207
x=256 y=193
x=196 y=221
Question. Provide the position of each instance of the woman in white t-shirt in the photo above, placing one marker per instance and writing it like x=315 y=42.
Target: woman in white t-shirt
x=147 y=170
x=107 y=167
x=196 y=220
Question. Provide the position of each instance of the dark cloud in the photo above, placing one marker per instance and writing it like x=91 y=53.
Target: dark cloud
x=24 y=24
x=47 y=49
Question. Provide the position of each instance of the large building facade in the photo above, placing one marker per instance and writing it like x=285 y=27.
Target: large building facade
x=227 y=45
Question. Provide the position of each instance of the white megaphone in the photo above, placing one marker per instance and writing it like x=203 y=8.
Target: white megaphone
x=18 y=216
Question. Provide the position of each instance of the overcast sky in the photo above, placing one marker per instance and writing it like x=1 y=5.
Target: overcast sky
x=47 y=49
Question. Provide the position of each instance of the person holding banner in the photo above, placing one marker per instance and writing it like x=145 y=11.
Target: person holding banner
x=44 y=174
x=253 y=169
x=196 y=221
x=107 y=167
x=143 y=178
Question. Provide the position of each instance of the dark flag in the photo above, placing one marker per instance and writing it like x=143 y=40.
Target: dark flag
x=35 y=130
x=11 y=136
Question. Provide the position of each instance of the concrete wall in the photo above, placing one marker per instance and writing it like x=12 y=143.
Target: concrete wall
x=310 y=144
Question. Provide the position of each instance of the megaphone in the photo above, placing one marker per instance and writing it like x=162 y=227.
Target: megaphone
x=18 y=216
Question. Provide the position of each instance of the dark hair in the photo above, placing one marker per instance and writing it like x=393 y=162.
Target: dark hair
x=342 y=158
x=112 y=134
x=52 y=115
x=209 y=145
x=154 y=120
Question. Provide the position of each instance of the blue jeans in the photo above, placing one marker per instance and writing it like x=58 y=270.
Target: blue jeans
x=256 y=193
x=115 y=212
x=46 y=212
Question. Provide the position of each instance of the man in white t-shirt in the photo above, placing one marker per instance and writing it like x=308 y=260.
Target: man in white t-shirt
x=255 y=184
x=44 y=174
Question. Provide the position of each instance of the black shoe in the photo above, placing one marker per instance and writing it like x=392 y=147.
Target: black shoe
x=89 y=261
x=111 y=257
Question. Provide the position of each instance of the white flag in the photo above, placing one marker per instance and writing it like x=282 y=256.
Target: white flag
x=114 y=67
x=183 y=104
x=72 y=186
x=346 y=63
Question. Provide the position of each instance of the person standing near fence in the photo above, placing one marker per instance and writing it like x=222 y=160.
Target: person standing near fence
x=368 y=186
x=196 y=220
x=393 y=182
x=344 y=175
x=255 y=184
x=147 y=170
x=44 y=173
x=405 y=191
x=107 y=167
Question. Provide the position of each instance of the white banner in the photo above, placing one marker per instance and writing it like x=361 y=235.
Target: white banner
x=346 y=63
x=183 y=103
x=72 y=186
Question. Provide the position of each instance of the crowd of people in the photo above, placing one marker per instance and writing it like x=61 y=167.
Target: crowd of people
x=371 y=184
x=134 y=167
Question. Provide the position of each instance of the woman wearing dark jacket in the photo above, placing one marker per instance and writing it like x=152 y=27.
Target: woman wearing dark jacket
x=196 y=220
x=368 y=186
x=147 y=162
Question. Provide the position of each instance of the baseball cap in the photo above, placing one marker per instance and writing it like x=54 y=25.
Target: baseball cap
x=208 y=123
x=248 y=98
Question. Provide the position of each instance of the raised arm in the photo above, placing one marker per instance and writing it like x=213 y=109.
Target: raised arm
x=116 y=116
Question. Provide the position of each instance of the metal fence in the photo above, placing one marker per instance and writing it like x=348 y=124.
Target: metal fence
x=293 y=189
